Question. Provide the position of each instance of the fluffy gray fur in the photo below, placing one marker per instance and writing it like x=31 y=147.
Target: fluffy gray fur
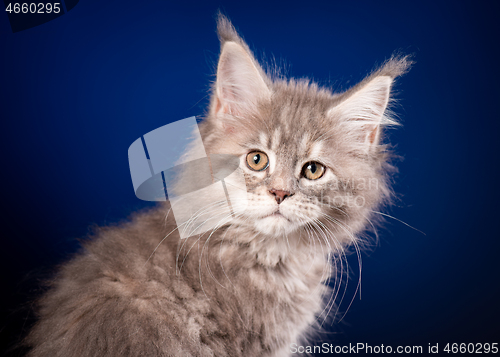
x=256 y=284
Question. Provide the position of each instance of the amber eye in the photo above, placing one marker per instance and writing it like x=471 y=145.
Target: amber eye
x=257 y=160
x=313 y=170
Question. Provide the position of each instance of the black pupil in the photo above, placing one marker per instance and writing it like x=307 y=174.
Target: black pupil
x=256 y=159
x=312 y=167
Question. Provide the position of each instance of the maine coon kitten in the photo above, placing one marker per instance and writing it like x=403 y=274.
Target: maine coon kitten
x=315 y=169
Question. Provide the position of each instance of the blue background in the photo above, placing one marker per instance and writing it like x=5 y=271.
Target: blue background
x=77 y=91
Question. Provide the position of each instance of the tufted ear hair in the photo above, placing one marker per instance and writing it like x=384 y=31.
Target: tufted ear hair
x=241 y=82
x=363 y=109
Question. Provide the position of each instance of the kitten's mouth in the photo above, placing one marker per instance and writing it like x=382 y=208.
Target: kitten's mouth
x=277 y=214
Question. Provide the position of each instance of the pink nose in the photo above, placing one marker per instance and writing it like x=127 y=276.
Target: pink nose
x=280 y=195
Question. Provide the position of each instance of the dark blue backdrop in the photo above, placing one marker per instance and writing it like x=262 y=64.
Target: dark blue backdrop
x=75 y=92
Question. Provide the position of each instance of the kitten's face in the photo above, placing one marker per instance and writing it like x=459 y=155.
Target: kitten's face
x=288 y=165
x=285 y=194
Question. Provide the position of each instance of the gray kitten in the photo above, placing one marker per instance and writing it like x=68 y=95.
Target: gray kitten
x=316 y=171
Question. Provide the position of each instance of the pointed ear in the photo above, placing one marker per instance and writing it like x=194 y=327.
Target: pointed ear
x=240 y=84
x=362 y=111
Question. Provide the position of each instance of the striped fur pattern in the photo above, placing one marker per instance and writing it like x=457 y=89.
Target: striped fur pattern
x=255 y=284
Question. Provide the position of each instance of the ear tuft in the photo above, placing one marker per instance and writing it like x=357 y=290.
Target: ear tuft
x=226 y=30
x=394 y=67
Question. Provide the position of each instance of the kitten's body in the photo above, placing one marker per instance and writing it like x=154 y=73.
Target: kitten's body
x=113 y=301
x=256 y=284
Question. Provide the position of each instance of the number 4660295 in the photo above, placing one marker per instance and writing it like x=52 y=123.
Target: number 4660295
x=34 y=8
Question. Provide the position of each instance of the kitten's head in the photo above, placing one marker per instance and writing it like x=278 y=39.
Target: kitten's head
x=313 y=160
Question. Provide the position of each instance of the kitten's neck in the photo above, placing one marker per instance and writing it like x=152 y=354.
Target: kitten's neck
x=270 y=251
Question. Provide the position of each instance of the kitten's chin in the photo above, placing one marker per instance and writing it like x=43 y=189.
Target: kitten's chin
x=275 y=224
